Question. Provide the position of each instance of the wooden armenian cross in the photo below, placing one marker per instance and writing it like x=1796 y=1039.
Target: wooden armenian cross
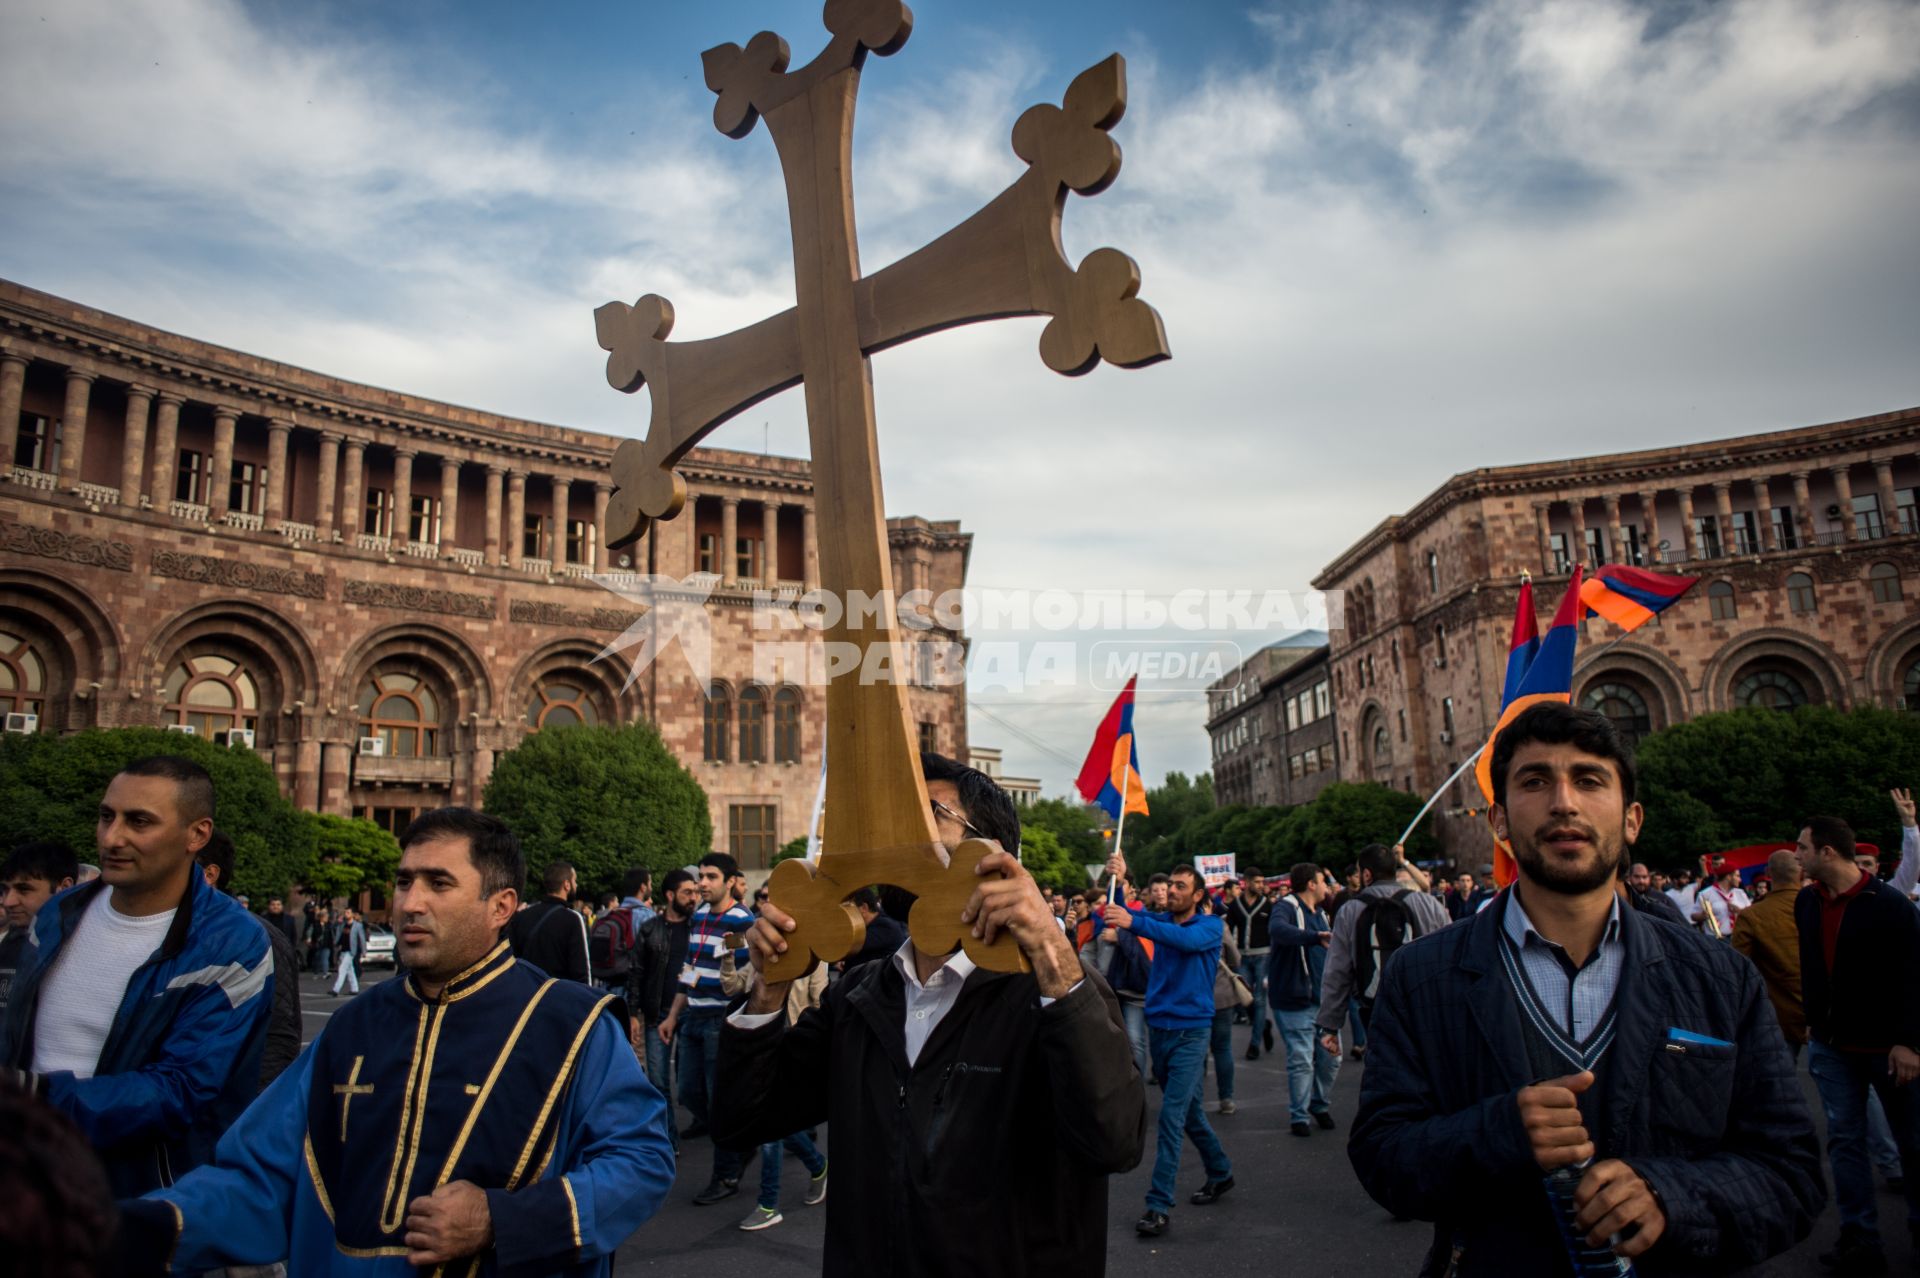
x=1005 y=260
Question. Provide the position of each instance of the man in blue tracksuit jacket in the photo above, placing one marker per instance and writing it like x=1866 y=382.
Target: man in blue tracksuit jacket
x=1179 y=1024
x=140 y=1007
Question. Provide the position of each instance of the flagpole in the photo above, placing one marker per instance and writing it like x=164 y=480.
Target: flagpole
x=1119 y=828
x=1435 y=796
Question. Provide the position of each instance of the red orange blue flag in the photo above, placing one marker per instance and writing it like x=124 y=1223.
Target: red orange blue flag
x=1111 y=775
x=1525 y=645
x=1631 y=597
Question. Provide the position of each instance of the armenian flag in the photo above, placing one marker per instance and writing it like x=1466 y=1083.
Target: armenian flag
x=1549 y=677
x=1631 y=597
x=1111 y=775
x=1525 y=645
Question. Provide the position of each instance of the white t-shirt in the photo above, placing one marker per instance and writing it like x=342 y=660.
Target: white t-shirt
x=1723 y=906
x=81 y=994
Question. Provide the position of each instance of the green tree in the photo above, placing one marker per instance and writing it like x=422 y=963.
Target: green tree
x=1075 y=825
x=604 y=798
x=1051 y=865
x=1348 y=815
x=794 y=847
x=349 y=854
x=51 y=787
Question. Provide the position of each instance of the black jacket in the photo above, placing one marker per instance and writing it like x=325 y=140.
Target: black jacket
x=1721 y=1132
x=652 y=977
x=990 y=1155
x=1249 y=926
x=1869 y=1000
x=284 y=1026
x=556 y=945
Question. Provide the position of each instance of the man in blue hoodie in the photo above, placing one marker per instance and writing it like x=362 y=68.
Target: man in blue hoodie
x=1180 y=1025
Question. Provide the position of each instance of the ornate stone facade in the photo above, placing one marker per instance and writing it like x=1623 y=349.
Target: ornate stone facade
x=1807 y=543
x=196 y=537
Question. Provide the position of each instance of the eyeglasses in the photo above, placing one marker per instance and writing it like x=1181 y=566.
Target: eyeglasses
x=942 y=810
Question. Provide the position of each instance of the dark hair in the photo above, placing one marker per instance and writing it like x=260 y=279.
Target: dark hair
x=728 y=867
x=1380 y=861
x=57 y=1214
x=1303 y=875
x=1557 y=723
x=672 y=882
x=193 y=788
x=219 y=854
x=46 y=859
x=635 y=881
x=490 y=844
x=989 y=809
x=866 y=898
x=1252 y=872
x=1188 y=870
x=1831 y=832
x=1158 y=878
x=555 y=877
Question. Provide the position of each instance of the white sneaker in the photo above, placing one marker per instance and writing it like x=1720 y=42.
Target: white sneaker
x=817 y=1189
x=1226 y=1107
x=762 y=1218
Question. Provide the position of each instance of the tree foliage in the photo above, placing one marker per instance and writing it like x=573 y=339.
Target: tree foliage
x=1075 y=825
x=51 y=787
x=1751 y=776
x=1049 y=862
x=796 y=847
x=605 y=798
x=349 y=854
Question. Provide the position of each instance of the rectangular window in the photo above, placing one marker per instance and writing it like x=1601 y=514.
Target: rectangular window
x=1320 y=704
x=244 y=493
x=709 y=553
x=1786 y=533
x=190 y=480
x=38 y=444
x=423 y=521
x=379 y=520
x=1706 y=536
x=1746 y=533
x=930 y=738
x=1867 y=522
x=1296 y=765
x=580 y=541
x=1636 y=547
x=751 y=835
x=1596 y=547
x=1446 y=714
x=1433 y=571
x=1557 y=546
x=1293 y=714
x=533 y=537
x=1907 y=511
x=1403 y=725
x=746 y=558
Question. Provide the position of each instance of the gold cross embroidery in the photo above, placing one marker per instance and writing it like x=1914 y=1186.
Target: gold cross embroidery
x=348 y=1090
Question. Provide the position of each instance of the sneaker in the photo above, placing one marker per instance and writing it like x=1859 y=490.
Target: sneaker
x=716 y=1190
x=1226 y=1106
x=1359 y=1051
x=762 y=1218
x=1211 y=1192
x=817 y=1188
x=1325 y=1120
x=1253 y=1051
x=1855 y=1255
x=1152 y=1224
x=1300 y=1129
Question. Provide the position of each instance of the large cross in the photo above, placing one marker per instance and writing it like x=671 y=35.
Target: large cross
x=1005 y=260
x=348 y=1090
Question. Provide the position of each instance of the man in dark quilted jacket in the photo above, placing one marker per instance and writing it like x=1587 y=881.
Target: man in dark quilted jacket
x=1559 y=1033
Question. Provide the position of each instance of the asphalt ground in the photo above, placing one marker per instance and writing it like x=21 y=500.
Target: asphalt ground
x=1296 y=1208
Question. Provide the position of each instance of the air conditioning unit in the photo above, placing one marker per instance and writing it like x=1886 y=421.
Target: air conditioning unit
x=186 y=728
x=235 y=737
x=1446 y=737
x=23 y=723
x=1833 y=512
x=374 y=746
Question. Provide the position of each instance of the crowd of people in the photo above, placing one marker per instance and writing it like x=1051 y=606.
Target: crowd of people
x=1593 y=1066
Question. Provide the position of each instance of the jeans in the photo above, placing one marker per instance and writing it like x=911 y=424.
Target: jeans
x=803 y=1148
x=1357 y=1015
x=660 y=1074
x=1220 y=1041
x=323 y=961
x=1310 y=1067
x=346 y=973
x=1179 y=1056
x=1844 y=1079
x=699 y=1039
x=1253 y=970
x=1880 y=1145
x=1134 y=1016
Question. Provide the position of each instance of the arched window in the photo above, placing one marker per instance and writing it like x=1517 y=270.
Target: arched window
x=23 y=677
x=213 y=694
x=1910 y=689
x=1622 y=704
x=716 y=717
x=786 y=726
x=1800 y=592
x=1770 y=690
x=1721 y=603
x=559 y=704
x=1382 y=748
x=401 y=709
x=753 y=724
x=1885 y=580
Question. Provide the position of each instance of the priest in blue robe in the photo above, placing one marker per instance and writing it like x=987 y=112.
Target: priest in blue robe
x=473 y=1117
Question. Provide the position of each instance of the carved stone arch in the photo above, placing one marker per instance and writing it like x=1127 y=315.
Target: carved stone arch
x=1373 y=721
x=437 y=655
x=273 y=650
x=1647 y=670
x=1824 y=674
x=1888 y=661
x=576 y=659
x=75 y=639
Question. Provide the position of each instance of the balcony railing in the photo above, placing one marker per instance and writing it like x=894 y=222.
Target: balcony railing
x=371 y=769
x=537 y=567
x=189 y=511
x=373 y=541
x=298 y=532
x=241 y=519
x=576 y=570
x=461 y=555
x=27 y=477
x=98 y=494
x=422 y=550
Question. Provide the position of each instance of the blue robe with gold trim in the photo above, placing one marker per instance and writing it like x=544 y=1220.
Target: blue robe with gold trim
x=523 y=1085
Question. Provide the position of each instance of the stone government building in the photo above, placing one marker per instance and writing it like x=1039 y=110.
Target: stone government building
x=1806 y=541
x=376 y=592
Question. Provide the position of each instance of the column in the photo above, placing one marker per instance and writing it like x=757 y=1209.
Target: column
x=1843 y=493
x=334 y=758
x=1889 y=500
x=402 y=495
x=1763 y=513
x=769 y=543
x=133 y=445
x=220 y=482
x=1803 y=506
x=275 y=511
x=449 y=501
x=602 y=492
x=73 y=427
x=306 y=770
x=495 y=473
x=1650 y=514
x=1578 y=505
x=352 y=497
x=729 y=540
x=516 y=516
x=329 y=476
x=557 y=525
x=809 y=553
x=1686 y=522
x=1723 y=508
x=1543 y=526
x=13 y=384
x=166 y=448
x=1616 y=544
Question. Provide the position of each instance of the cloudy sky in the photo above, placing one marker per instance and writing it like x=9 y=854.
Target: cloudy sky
x=1390 y=242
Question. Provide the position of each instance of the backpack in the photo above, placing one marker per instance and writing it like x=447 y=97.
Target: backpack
x=1127 y=970
x=1384 y=925
x=610 y=944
